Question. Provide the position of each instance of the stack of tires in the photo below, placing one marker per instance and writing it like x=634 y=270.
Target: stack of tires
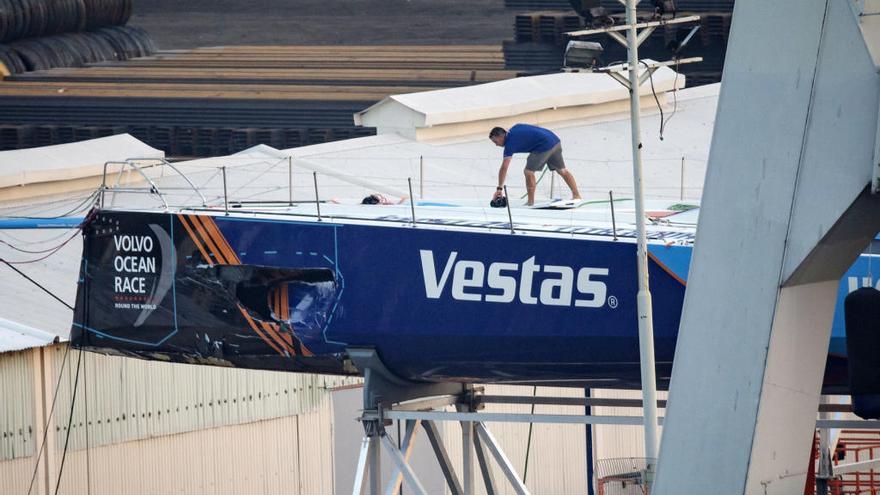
x=44 y=34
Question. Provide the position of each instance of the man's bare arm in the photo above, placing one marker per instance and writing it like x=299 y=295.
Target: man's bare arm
x=502 y=172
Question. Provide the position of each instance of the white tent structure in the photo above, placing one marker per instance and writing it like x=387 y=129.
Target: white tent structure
x=53 y=170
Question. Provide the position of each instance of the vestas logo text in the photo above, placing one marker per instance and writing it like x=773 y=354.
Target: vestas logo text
x=505 y=282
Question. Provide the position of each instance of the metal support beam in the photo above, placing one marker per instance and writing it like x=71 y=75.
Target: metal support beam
x=617 y=76
x=617 y=37
x=413 y=481
x=575 y=419
x=643 y=35
x=442 y=457
x=854 y=467
x=646 y=74
x=361 y=470
x=825 y=471
x=467 y=456
x=502 y=460
x=640 y=25
x=616 y=71
x=412 y=427
x=485 y=468
x=375 y=466
x=751 y=351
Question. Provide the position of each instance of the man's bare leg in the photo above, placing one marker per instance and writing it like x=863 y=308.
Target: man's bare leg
x=531 y=184
x=569 y=180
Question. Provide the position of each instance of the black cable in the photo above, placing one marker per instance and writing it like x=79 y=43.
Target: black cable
x=657 y=100
x=674 y=94
x=27 y=251
x=69 y=423
x=49 y=419
x=529 y=441
x=50 y=251
x=77 y=208
x=47 y=291
x=88 y=443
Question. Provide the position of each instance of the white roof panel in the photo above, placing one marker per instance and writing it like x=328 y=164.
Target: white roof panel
x=69 y=161
x=520 y=95
x=17 y=337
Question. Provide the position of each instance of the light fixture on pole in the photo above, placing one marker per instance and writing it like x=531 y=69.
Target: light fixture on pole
x=582 y=54
x=633 y=82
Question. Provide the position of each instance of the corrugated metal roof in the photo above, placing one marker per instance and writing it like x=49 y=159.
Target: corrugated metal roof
x=15 y=336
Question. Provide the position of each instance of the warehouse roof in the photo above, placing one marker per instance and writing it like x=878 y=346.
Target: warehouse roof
x=537 y=99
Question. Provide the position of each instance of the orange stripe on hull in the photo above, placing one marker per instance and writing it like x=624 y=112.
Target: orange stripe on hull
x=220 y=240
x=271 y=330
x=256 y=330
x=667 y=270
x=209 y=241
x=195 y=238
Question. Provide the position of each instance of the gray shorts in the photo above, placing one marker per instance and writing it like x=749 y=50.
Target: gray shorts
x=552 y=157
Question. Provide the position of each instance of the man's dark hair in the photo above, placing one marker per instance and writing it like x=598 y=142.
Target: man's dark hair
x=497 y=131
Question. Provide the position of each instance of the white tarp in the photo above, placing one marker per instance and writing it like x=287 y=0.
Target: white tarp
x=69 y=161
x=27 y=313
x=513 y=97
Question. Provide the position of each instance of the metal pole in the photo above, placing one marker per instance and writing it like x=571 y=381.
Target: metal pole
x=414 y=484
x=421 y=179
x=361 y=470
x=467 y=462
x=509 y=215
x=518 y=485
x=103 y=185
x=412 y=203
x=375 y=455
x=225 y=195
x=317 y=200
x=588 y=441
x=552 y=184
x=613 y=219
x=826 y=471
x=681 y=196
x=290 y=181
x=646 y=323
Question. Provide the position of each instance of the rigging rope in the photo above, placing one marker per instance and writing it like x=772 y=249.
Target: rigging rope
x=48 y=419
x=81 y=206
x=69 y=423
x=47 y=291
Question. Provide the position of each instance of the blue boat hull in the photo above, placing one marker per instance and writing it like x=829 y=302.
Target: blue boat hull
x=437 y=304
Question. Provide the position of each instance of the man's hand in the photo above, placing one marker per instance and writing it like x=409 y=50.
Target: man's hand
x=498 y=193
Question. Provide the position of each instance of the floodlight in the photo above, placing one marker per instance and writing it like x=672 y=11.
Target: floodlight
x=582 y=54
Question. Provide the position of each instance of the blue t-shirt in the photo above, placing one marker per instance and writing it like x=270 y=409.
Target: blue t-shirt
x=525 y=138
